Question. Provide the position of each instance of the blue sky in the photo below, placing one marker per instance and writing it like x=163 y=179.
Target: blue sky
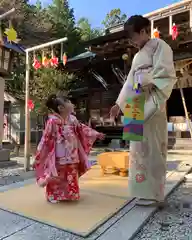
x=95 y=10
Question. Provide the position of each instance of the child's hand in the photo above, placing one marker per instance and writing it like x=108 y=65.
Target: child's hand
x=101 y=136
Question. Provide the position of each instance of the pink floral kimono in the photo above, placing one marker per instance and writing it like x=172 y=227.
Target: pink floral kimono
x=62 y=157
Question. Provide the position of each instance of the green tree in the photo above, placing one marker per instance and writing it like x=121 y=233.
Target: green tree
x=38 y=5
x=47 y=81
x=86 y=31
x=36 y=25
x=115 y=16
x=62 y=19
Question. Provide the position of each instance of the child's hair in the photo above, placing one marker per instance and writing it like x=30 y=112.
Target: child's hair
x=53 y=102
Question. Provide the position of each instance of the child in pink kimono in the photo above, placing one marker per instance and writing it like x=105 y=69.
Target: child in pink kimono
x=62 y=154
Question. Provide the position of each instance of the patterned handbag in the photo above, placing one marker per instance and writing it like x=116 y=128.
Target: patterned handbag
x=134 y=118
x=138 y=111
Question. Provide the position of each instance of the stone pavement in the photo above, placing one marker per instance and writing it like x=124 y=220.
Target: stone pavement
x=14 y=227
x=175 y=221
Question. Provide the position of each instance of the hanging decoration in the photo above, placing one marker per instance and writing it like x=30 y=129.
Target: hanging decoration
x=31 y=105
x=64 y=59
x=45 y=62
x=156 y=33
x=54 y=61
x=125 y=57
x=36 y=63
x=175 y=32
x=11 y=34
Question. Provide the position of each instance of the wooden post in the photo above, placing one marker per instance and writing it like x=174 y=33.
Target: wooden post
x=170 y=24
x=185 y=109
x=27 y=113
x=27 y=117
x=152 y=28
x=190 y=17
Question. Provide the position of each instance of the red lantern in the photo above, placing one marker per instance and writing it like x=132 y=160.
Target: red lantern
x=64 y=59
x=175 y=32
x=31 y=105
x=45 y=62
x=36 y=64
x=54 y=61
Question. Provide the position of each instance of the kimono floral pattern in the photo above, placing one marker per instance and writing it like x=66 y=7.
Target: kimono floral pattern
x=140 y=177
x=62 y=157
x=64 y=187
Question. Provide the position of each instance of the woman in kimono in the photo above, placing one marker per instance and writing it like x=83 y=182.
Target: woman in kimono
x=155 y=67
x=62 y=154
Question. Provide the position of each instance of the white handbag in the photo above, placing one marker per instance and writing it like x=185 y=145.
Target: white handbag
x=153 y=104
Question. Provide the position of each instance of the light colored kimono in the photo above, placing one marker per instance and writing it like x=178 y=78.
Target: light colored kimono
x=147 y=172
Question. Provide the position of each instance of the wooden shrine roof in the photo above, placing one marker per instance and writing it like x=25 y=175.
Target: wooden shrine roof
x=171 y=9
x=115 y=43
x=115 y=40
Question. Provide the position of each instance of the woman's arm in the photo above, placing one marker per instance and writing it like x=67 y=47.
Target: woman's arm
x=162 y=75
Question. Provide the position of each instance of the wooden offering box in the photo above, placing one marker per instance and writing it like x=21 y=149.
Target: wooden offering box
x=119 y=161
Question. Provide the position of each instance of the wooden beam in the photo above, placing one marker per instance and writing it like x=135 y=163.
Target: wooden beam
x=170 y=24
x=175 y=8
x=168 y=13
x=152 y=28
x=190 y=17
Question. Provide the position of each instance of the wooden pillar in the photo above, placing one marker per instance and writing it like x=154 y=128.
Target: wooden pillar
x=190 y=17
x=170 y=24
x=2 y=87
x=186 y=112
x=152 y=28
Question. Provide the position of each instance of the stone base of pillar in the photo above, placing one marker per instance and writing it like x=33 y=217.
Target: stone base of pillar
x=5 y=158
x=4 y=155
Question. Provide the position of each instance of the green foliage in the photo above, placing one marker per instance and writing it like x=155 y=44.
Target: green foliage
x=35 y=25
x=47 y=81
x=62 y=19
x=114 y=17
x=86 y=31
x=16 y=83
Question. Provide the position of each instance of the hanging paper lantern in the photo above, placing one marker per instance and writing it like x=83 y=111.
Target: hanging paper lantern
x=125 y=57
x=155 y=33
x=175 y=32
x=36 y=64
x=64 y=59
x=45 y=62
x=30 y=105
x=54 y=61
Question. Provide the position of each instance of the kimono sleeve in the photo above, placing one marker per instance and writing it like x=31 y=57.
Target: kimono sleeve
x=163 y=74
x=87 y=136
x=46 y=144
x=44 y=164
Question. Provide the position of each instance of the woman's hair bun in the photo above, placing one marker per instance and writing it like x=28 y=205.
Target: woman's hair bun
x=50 y=103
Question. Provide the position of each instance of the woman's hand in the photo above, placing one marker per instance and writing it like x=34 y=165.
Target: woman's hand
x=114 y=112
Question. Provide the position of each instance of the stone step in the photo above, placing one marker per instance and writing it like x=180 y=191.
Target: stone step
x=180 y=143
x=4 y=164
